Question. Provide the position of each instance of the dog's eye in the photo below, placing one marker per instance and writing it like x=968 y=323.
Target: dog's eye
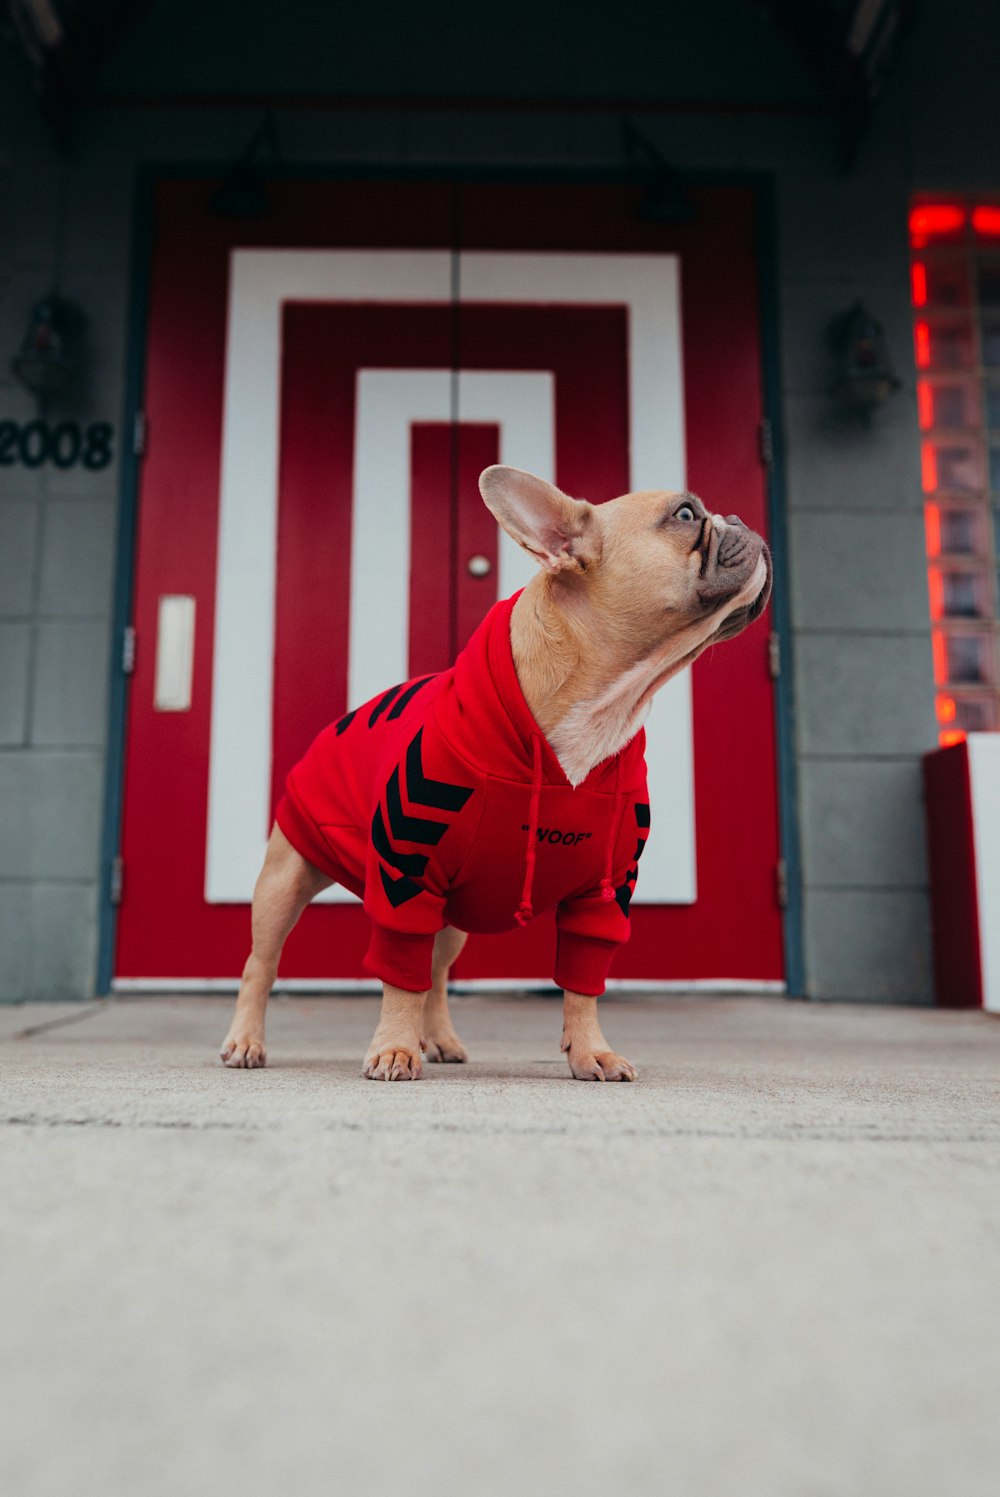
x=684 y=513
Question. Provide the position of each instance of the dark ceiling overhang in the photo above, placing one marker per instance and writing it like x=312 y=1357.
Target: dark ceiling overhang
x=65 y=43
x=847 y=47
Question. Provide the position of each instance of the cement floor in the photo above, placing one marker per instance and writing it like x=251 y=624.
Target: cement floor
x=771 y=1268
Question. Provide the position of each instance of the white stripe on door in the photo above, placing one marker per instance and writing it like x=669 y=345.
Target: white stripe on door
x=242 y=694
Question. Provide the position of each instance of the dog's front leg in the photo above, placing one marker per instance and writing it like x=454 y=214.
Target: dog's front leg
x=286 y=885
x=394 y=1053
x=589 y=1055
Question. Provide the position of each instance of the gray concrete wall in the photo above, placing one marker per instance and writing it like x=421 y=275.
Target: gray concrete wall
x=57 y=533
x=861 y=652
x=863 y=678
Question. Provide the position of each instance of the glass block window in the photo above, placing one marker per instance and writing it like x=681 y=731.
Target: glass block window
x=955 y=281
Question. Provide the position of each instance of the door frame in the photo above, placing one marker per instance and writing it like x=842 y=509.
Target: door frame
x=147 y=178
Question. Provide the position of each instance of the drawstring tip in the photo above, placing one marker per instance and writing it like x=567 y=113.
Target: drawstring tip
x=607 y=892
x=524 y=914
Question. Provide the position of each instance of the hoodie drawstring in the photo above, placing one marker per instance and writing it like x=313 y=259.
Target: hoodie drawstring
x=525 y=912
x=607 y=882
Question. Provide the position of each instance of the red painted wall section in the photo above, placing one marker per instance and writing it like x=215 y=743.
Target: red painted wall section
x=448 y=525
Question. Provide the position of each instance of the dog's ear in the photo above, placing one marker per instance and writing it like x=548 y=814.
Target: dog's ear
x=557 y=531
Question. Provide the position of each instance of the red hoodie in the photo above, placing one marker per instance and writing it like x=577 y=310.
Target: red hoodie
x=442 y=803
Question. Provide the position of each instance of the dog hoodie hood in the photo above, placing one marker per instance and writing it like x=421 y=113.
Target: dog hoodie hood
x=441 y=802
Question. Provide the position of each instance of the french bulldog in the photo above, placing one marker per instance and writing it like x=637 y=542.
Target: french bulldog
x=514 y=782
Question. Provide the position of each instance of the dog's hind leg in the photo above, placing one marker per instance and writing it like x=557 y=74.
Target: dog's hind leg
x=442 y=1043
x=285 y=886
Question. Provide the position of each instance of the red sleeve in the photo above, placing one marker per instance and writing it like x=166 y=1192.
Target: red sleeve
x=589 y=930
x=412 y=844
x=401 y=959
x=406 y=914
x=590 y=927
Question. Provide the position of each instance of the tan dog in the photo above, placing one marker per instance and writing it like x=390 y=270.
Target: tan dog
x=629 y=593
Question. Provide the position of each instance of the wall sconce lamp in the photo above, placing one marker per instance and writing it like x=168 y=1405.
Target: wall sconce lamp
x=48 y=358
x=243 y=194
x=865 y=378
x=667 y=199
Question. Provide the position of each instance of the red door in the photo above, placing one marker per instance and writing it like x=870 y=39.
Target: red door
x=318 y=416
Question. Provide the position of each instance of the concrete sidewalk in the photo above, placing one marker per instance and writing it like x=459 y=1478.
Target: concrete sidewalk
x=771 y=1268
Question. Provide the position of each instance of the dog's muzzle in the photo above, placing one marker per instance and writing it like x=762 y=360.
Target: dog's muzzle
x=738 y=621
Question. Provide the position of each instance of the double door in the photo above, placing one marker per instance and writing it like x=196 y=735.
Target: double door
x=321 y=398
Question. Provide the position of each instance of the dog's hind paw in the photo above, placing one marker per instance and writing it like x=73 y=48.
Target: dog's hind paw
x=243 y=1052
x=445 y=1046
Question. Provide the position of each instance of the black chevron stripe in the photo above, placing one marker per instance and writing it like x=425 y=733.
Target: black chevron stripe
x=381 y=705
x=641 y=813
x=345 y=722
x=398 y=890
x=405 y=828
x=405 y=862
x=623 y=894
x=422 y=791
x=640 y=848
x=411 y=691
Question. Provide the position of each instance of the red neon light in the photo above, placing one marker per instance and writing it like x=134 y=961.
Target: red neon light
x=925 y=404
x=922 y=342
x=939 y=650
x=935 y=587
x=928 y=466
x=918 y=283
x=932 y=525
x=953 y=735
x=946 y=709
x=931 y=219
x=986 y=221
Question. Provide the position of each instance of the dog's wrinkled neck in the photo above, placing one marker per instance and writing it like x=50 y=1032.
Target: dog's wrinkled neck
x=587 y=685
x=568 y=659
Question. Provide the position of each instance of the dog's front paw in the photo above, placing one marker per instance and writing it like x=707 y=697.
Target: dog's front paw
x=392 y=1062
x=600 y=1065
x=445 y=1045
x=243 y=1048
